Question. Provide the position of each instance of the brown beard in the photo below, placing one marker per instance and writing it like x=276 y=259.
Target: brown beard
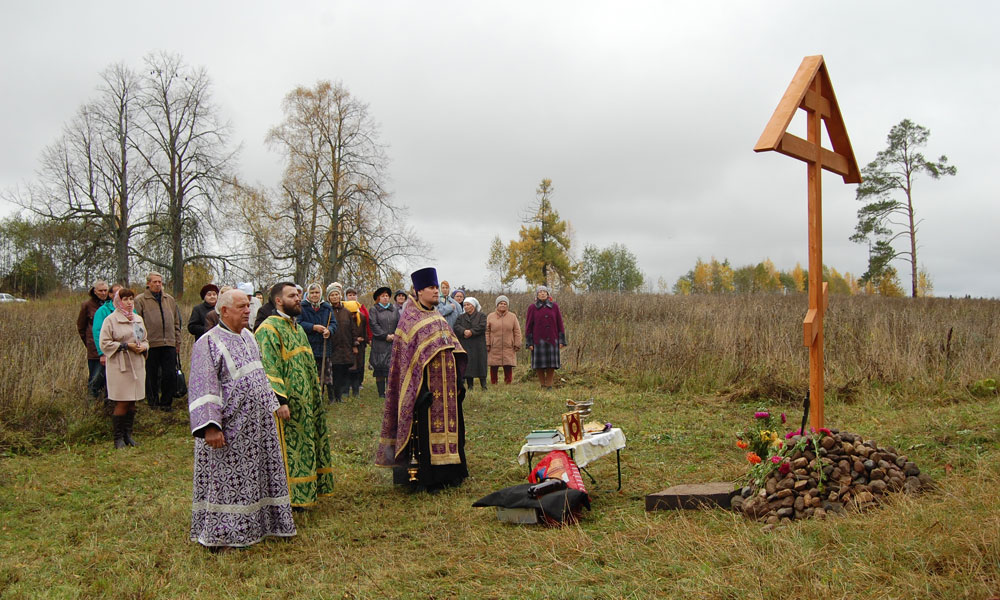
x=291 y=310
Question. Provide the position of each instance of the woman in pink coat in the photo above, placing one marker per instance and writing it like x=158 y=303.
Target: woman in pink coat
x=123 y=342
x=503 y=340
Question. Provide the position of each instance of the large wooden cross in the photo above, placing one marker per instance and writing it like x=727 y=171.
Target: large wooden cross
x=812 y=91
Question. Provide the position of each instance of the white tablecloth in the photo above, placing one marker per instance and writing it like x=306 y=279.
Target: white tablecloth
x=587 y=450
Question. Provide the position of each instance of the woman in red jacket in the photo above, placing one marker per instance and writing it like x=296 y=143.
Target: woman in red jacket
x=544 y=336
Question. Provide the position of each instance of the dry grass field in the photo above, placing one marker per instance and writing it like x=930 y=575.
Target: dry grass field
x=679 y=374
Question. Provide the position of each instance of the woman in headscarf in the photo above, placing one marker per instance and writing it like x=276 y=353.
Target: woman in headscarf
x=544 y=336
x=470 y=327
x=384 y=318
x=196 y=324
x=503 y=340
x=356 y=374
x=317 y=319
x=343 y=343
x=123 y=342
x=459 y=296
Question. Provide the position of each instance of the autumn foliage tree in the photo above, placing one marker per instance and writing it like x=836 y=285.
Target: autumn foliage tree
x=333 y=217
x=541 y=254
x=714 y=277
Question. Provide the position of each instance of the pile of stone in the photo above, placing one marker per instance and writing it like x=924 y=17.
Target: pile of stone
x=854 y=473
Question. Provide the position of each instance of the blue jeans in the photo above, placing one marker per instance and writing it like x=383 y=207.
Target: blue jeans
x=95 y=378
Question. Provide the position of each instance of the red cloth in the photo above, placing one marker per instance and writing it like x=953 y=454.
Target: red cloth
x=557 y=465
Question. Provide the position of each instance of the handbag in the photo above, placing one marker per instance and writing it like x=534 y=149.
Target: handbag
x=180 y=386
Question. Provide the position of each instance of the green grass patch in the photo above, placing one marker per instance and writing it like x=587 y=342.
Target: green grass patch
x=86 y=521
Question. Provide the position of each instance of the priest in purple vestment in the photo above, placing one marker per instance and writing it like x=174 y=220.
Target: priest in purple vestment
x=240 y=483
x=423 y=427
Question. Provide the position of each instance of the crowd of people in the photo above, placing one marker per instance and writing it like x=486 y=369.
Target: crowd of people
x=258 y=396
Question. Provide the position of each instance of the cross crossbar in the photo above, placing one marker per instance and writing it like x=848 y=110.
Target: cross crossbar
x=811 y=91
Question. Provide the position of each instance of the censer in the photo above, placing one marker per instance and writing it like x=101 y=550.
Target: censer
x=414 y=464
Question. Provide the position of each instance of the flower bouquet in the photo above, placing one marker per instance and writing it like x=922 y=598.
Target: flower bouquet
x=765 y=448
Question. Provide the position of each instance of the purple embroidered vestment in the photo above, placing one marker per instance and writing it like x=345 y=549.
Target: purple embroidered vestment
x=240 y=489
x=426 y=364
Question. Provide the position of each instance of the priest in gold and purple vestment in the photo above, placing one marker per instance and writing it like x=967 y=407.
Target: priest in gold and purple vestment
x=423 y=428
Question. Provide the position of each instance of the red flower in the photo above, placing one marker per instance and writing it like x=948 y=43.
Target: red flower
x=753 y=458
x=825 y=431
x=784 y=468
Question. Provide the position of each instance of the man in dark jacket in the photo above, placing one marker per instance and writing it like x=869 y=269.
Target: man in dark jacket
x=162 y=318
x=197 y=325
x=85 y=326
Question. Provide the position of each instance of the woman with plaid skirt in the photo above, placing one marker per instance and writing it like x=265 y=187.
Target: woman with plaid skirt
x=544 y=336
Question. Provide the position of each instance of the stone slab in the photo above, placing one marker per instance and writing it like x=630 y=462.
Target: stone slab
x=691 y=496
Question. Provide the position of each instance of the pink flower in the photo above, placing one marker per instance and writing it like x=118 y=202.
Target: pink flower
x=761 y=414
x=776 y=459
x=825 y=431
x=783 y=419
x=792 y=434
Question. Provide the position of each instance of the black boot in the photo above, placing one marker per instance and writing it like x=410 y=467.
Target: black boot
x=118 y=428
x=129 y=422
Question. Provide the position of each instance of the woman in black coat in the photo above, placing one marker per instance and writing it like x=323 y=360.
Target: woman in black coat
x=384 y=315
x=197 y=325
x=470 y=327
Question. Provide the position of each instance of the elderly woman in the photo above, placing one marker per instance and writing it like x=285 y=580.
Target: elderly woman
x=399 y=298
x=343 y=350
x=197 y=326
x=384 y=318
x=356 y=374
x=470 y=327
x=123 y=342
x=544 y=336
x=459 y=296
x=503 y=340
x=317 y=319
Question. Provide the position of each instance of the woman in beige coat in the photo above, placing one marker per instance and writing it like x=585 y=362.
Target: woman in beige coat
x=503 y=340
x=123 y=342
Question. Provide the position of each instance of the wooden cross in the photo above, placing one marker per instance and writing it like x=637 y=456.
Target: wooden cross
x=812 y=91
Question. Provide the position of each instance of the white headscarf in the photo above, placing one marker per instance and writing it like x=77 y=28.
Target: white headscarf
x=472 y=301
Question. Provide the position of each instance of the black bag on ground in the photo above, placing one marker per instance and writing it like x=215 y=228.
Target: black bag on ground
x=180 y=387
x=558 y=506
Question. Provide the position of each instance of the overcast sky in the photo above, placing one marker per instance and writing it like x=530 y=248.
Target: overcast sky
x=644 y=115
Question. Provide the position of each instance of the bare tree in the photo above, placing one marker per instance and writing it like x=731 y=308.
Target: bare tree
x=189 y=160
x=335 y=219
x=91 y=176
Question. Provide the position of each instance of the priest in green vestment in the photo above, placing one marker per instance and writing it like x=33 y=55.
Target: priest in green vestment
x=291 y=370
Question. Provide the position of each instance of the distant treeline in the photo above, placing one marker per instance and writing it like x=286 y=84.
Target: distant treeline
x=714 y=277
